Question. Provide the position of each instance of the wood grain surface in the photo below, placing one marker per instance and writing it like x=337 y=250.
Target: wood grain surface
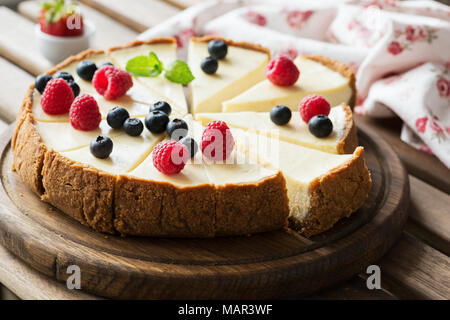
x=276 y=264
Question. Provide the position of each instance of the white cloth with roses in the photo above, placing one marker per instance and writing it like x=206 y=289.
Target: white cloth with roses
x=400 y=51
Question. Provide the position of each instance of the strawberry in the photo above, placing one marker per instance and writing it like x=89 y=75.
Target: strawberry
x=61 y=20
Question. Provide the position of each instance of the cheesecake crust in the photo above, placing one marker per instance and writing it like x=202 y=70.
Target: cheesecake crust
x=343 y=69
x=335 y=195
x=349 y=140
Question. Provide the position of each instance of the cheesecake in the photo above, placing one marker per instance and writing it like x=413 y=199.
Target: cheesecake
x=165 y=49
x=322 y=187
x=242 y=68
x=320 y=75
x=342 y=139
x=266 y=182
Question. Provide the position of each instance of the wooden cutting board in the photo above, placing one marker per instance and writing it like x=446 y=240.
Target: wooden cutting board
x=270 y=265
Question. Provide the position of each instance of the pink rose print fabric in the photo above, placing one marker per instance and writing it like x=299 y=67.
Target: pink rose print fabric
x=399 y=50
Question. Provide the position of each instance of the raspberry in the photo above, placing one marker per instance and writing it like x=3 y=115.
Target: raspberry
x=313 y=105
x=169 y=157
x=111 y=82
x=84 y=113
x=281 y=71
x=57 y=97
x=217 y=141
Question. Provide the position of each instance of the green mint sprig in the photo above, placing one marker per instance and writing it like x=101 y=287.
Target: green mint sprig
x=150 y=66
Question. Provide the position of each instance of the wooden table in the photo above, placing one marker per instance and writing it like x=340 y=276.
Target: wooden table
x=418 y=266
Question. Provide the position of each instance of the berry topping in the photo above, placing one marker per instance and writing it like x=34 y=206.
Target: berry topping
x=112 y=82
x=75 y=88
x=209 y=65
x=313 y=105
x=57 y=97
x=280 y=115
x=133 y=127
x=217 y=49
x=64 y=75
x=320 y=126
x=41 y=82
x=116 y=117
x=177 y=129
x=191 y=145
x=86 y=69
x=60 y=18
x=282 y=71
x=101 y=147
x=156 y=121
x=169 y=157
x=217 y=141
x=84 y=113
x=161 y=106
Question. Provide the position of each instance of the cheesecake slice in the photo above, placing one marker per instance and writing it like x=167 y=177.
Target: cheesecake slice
x=322 y=187
x=329 y=78
x=165 y=49
x=342 y=139
x=242 y=68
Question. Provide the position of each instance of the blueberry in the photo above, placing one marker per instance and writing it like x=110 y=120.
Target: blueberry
x=41 y=82
x=107 y=63
x=116 y=117
x=280 y=115
x=320 y=126
x=161 y=106
x=191 y=144
x=75 y=88
x=101 y=147
x=177 y=129
x=133 y=127
x=209 y=65
x=156 y=121
x=217 y=49
x=86 y=69
x=64 y=75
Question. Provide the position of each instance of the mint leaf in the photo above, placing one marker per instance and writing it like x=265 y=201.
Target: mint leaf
x=145 y=66
x=179 y=72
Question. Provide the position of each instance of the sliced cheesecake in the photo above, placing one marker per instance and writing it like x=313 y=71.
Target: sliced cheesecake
x=329 y=78
x=322 y=187
x=342 y=139
x=165 y=49
x=242 y=68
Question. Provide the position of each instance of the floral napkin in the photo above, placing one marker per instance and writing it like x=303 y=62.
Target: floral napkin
x=400 y=51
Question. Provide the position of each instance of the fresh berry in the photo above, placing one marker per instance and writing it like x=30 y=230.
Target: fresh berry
x=169 y=157
x=217 y=141
x=112 y=82
x=281 y=71
x=60 y=19
x=133 y=127
x=101 y=147
x=84 y=113
x=156 y=121
x=86 y=69
x=64 y=75
x=41 y=82
x=191 y=145
x=107 y=63
x=313 y=105
x=57 y=97
x=177 y=129
x=320 y=126
x=217 y=49
x=75 y=88
x=116 y=117
x=209 y=65
x=161 y=106
x=280 y=115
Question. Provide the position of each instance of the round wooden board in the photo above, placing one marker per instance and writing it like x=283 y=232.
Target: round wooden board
x=270 y=265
